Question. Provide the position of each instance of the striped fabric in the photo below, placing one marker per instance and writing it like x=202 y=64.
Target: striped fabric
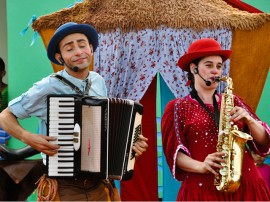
x=4 y=101
x=3 y=136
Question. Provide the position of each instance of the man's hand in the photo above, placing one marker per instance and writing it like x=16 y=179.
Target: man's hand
x=41 y=143
x=140 y=146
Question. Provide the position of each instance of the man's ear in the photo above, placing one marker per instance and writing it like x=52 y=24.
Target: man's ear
x=91 y=48
x=59 y=58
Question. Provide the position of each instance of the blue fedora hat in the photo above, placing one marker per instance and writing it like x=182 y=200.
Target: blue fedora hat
x=67 y=29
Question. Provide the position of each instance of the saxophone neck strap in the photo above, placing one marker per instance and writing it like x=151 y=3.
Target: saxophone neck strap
x=216 y=110
x=215 y=115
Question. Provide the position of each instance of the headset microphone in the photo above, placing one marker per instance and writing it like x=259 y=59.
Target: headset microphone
x=61 y=60
x=208 y=83
x=196 y=71
x=74 y=69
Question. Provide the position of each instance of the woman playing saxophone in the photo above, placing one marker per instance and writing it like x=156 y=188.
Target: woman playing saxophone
x=190 y=131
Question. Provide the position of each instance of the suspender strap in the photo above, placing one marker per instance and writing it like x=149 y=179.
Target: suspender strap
x=67 y=82
x=88 y=86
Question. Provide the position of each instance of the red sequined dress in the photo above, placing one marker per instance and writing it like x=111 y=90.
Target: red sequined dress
x=188 y=127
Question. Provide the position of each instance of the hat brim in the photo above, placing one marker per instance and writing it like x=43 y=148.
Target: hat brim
x=88 y=30
x=186 y=59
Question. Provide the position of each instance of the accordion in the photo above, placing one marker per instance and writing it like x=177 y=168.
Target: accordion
x=95 y=135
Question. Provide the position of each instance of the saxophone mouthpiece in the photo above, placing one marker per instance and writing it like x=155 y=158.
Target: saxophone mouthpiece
x=219 y=79
x=216 y=79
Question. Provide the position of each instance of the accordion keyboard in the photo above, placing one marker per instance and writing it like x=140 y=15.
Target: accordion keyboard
x=61 y=126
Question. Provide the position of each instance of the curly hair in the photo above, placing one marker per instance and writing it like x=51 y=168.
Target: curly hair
x=2 y=65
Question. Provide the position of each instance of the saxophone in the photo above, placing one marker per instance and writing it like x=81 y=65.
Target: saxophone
x=231 y=141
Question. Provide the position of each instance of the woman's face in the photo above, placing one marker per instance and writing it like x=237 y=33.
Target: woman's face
x=209 y=67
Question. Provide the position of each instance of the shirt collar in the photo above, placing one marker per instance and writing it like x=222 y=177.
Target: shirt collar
x=75 y=81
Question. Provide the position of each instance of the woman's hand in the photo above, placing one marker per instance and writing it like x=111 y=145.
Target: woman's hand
x=212 y=163
x=256 y=129
x=140 y=146
x=239 y=113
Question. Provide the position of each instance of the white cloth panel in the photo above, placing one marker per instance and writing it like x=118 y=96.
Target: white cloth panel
x=129 y=61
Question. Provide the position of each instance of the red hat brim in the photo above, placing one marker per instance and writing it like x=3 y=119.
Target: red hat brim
x=186 y=59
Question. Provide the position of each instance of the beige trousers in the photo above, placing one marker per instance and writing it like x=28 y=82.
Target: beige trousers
x=83 y=190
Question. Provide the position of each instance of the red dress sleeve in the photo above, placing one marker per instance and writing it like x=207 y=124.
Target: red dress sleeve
x=252 y=144
x=170 y=141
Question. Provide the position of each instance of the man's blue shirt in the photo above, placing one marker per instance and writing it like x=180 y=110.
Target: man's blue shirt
x=33 y=103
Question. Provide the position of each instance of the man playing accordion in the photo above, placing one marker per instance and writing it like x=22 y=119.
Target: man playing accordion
x=72 y=46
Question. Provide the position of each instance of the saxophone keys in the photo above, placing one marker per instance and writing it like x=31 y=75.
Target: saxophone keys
x=225 y=147
x=223 y=164
x=223 y=171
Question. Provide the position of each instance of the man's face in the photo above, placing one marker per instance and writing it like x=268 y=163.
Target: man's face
x=76 y=51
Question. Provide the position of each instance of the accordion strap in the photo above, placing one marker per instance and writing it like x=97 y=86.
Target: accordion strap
x=67 y=82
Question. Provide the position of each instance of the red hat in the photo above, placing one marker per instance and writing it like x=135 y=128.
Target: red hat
x=202 y=48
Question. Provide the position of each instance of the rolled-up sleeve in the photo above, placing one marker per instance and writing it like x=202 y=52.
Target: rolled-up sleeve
x=33 y=102
x=17 y=109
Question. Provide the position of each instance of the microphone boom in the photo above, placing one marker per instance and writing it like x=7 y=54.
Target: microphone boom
x=196 y=71
x=208 y=83
x=74 y=69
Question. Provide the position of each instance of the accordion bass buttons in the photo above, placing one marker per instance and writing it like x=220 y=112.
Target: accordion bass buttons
x=77 y=136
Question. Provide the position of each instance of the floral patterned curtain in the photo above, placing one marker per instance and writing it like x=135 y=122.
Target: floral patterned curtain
x=129 y=61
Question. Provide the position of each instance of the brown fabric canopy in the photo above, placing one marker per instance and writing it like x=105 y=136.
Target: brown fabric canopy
x=106 y=15
x=250 y=44
x=250 y=63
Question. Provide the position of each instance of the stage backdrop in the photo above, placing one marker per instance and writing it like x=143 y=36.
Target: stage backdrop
x=27 y=64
